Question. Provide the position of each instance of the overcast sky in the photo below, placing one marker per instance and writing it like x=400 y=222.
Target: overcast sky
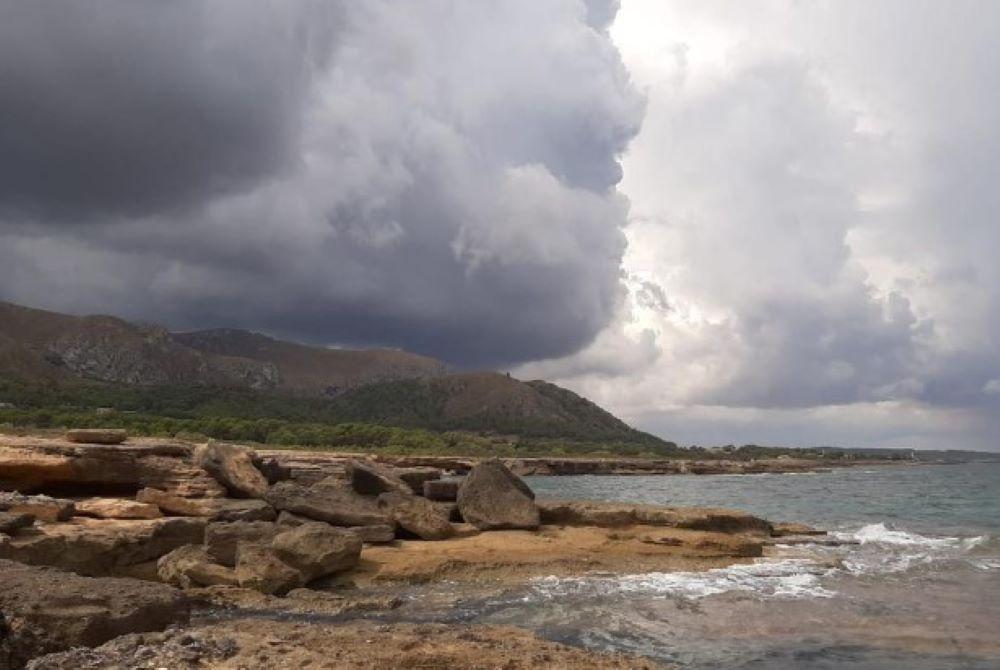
x=762 y=221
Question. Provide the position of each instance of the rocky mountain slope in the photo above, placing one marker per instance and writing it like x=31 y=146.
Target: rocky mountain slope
x=38 y=344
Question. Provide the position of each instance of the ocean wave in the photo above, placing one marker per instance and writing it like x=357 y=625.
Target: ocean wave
x=767 y=579
x=885 y=550
x=879 y=533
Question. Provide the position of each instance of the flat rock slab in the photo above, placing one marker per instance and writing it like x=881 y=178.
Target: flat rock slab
x=618 y=515
x=101 y=547
x=11 y=522
x=220 y=509
x=46 y=610
x=373 y=479
x=442 y=489
x=43 y=508
x=96 y=435
x=117 y=508
x=329 y=500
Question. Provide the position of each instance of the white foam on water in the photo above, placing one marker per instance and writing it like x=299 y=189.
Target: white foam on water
x=886 y=550
x=767 y=579
x=986 y=563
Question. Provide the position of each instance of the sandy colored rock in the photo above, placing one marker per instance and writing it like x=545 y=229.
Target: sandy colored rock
x=96 y=435
x=100 y=547
x=442 y=489
x=372 y=479
x=786 y=529
x=317 y=549
x=619 y=515
x=233 y=467
x=492 y=498
x=372 y=534
x=220 y=509
x=41 y=507
x=417 y=515
x=329 y=500
x=274 y=645
x=222 y=539
x=513 y=556
x=117 y=508
x=261 y=569
x=45 y=610
x=191 y=566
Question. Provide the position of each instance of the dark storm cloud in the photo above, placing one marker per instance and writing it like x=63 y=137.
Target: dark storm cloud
x=122 y=107
x=440 y=176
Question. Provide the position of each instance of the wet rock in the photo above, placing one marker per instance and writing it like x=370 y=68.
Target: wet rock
x=318 y=549
x=222 y=539
x=191 y=566
x=99 y=547
x=44 y=610
x=96 y=435
x=233 y=467
x=11 y=522
x=43 y=508
x=442 y=489
x=492 y=498
x=372 y=479
x=785 y=529
x=328 y=500
x=261 y=569
x=117 y=508
x=417 y=515
x=415 y=477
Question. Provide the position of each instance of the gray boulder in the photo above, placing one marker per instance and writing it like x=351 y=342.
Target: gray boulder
x=493 y=498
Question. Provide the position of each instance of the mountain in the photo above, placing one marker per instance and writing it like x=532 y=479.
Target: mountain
x=57 y=360
x=44 y=345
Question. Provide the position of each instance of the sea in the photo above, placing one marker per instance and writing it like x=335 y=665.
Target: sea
x=916 y=584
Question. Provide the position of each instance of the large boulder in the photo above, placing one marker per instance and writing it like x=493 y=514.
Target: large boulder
x=191 y=566
x=233 y=467
x=222 y=539
x=43 y=508
x=417 y=515
x=261 y=569
x=372 y=479
x=100 y=547
x=117 y=508
x=44 y=610
x=493 y=498
x=318 y=549
x=328 y=500
x=96 y=435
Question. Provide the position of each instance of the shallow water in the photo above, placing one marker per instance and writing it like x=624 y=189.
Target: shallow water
x=918 y=588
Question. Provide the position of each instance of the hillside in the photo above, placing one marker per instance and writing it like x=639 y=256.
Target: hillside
x=41 y=345
x=65 y=366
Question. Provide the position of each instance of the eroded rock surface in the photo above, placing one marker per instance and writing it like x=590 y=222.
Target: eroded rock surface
x=372 y=479
x=233 y=467
x=117 y=508
x=96 y=435
x=191 y=566
x=317 y=550
x=222 y=539
x=417 y=515
x=45 y=610
x=329 y=500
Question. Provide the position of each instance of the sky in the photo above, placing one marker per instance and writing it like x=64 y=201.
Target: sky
x=764 y=221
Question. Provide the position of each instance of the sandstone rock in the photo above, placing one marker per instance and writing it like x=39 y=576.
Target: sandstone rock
x=442 y=489
x=415 y=477
x=318 y=549
x=465 y=530
x=99 y=547
x=11 y=522
x=96 y=435
x=493 y=498
x=372 y=534
x=45 y=610
x=117 y=508
x=372 y=479
x=417 y=515
x=619 y=515
x=43 y=508
x=232 y=466
x=191 y=566
x=222 y=539
x=328 y=501
x=261 y=569
x=220 y=509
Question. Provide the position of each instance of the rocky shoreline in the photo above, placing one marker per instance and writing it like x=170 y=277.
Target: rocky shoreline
x=109 y=546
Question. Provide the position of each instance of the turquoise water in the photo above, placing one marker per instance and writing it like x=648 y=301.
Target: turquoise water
x=918 y=585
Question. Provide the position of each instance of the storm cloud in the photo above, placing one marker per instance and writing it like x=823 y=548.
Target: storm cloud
x=438 y=176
